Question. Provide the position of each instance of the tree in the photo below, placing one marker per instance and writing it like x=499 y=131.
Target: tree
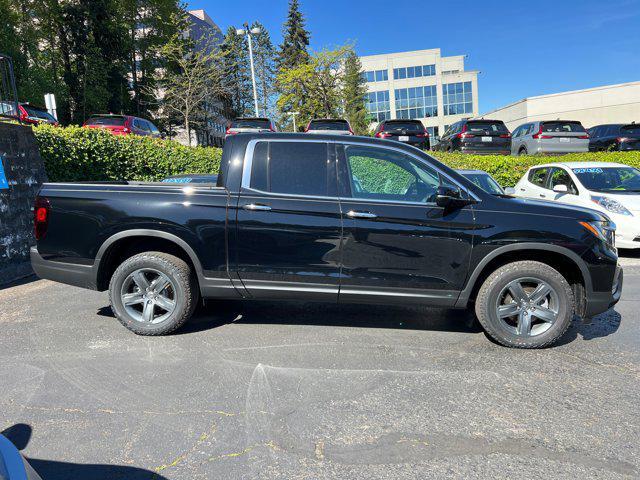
x=354 y=94
x=237 y=75
x=192 y=83
x=264 y=56
x=314 y=89
x=293 y=51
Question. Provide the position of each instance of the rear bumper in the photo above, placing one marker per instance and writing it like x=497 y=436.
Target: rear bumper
x=486 y=151
x=599 y=302
x=69 y=273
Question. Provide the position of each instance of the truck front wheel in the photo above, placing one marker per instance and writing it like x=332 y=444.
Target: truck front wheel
x=525 y=304
x=153 y=293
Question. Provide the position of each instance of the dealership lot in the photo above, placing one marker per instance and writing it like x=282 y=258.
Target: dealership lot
x=266 y=390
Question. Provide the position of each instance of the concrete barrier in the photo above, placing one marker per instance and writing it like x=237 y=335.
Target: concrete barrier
x=21 y=175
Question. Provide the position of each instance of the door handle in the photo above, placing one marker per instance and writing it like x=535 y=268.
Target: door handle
x=354 y=214
x=543 y=195
x=257 y=207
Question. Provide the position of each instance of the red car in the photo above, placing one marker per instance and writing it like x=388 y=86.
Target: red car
x=123 y=125
x=28 y=113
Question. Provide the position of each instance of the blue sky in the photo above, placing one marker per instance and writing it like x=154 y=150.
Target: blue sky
x=522 y=49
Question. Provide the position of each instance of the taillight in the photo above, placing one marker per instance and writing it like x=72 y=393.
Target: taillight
x=505 y=135
x=424 y=134
x=463 y=133
x=584 y=137
x=539 y=135
x=306 y=129
x=126 y=130
x=40 y=217
x=230 y=132
x=351 y=131
x=383 y=134
x=623 y=139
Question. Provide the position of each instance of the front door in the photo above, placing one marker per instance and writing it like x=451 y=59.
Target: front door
x=288 y=221
x=399 y=246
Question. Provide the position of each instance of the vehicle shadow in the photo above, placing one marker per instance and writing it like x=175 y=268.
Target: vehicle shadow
x=20 y=434
x=215 y=314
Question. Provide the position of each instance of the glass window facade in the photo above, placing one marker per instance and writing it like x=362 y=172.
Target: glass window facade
x=375 y=76
x=416 y=102
x=414 y=72
x=378 y=105
x=433 y=131
x=457 y=98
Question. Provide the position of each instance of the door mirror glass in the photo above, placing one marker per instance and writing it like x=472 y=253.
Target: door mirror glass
x=448 y=196
x=560 y=189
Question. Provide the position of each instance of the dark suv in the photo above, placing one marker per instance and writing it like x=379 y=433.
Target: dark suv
x=618 y=137
x=477 y=136
x=406 y=131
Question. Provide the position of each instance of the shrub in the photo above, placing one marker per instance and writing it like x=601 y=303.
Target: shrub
x=81 y=154
x=507 y=170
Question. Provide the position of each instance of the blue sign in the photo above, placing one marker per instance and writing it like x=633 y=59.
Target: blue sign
x=3 y=178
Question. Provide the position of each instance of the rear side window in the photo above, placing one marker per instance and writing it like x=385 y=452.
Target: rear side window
x=295 y=168
x=487 y=127
x=112 y=121
x=328 y=125
x=562 y=127
x=538 y=176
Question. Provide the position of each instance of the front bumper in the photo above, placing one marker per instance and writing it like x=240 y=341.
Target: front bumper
x=599 y=302
x=69 y=273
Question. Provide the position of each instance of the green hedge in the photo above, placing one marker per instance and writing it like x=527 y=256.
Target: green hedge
x=508 y=170
x=78 y=154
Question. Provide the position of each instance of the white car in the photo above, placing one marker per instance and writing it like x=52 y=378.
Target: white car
x=611 y=188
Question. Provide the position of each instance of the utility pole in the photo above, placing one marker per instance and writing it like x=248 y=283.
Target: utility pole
x=248 y=33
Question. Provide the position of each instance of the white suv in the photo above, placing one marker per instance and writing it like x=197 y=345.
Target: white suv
x=612 y=188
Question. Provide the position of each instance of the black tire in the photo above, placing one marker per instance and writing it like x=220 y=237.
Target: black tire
x=183 y=287
x=522 y=151
x=494 y=287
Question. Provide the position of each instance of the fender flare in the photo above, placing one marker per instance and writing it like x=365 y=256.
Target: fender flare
x=473 y=277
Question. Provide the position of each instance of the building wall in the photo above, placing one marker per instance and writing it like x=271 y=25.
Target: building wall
x=593 y=106
x=448 y=70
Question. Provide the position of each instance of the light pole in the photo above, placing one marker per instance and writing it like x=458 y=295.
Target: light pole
x=293 y=115
x=248 y=33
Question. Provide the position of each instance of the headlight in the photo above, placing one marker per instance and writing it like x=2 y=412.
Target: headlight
x=604 y=230
x=611 y=205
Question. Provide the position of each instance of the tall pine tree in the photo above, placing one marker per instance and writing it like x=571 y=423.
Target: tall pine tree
x=293 y=51
x=354 y=93
x=237 y=74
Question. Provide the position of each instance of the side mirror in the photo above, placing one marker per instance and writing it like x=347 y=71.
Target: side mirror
x=510 y=191
x=561 y=189
x=448 y=197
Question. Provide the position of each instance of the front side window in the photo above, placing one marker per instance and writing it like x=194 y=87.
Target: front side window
x=293 y=168
x=538 y=176
x=382 y=174
x=559 y=176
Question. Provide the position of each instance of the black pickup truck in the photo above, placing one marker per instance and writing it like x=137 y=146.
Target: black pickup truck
x=326 y=218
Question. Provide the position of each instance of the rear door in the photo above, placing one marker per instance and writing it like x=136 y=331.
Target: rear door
x=560 y=176
x=399 y=246
x=288 y=220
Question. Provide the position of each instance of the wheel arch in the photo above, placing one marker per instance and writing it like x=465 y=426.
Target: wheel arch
x=129 y=242
x=568 y=263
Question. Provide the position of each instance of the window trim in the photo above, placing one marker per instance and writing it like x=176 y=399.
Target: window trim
x=245 y=183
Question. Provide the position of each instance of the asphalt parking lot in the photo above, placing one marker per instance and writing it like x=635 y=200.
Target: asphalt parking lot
x=308 y=391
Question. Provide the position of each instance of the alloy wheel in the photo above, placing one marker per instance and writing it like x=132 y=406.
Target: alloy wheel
x=148 y=295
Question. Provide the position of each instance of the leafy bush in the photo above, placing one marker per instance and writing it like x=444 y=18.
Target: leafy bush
x=77 y=154
x=507 y=170
x=81 y=154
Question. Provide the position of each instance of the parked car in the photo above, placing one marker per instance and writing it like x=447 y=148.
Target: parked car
x=549 y=137
x=333 y=126
x=28 y=113
x=483 y=180
x=411 y=132
x=618 y=137
x=477 y=136
x=611 y=188
x=191 y=178
x=123 y=125
x=250 y=125
x=359 y=220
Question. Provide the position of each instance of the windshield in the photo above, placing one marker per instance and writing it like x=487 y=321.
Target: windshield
x=39 y=114
x=484 y=181
x=562 y=127
x=488 y=127
x=250 y=123
x=408 y=126
x=113 y=121
x=609 y=179
x=329 y=125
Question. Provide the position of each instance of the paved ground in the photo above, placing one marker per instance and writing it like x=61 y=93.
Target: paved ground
x=303 y=391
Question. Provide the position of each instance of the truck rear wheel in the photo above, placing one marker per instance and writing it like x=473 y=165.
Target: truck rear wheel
x=525 y=304
x=153 y=293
